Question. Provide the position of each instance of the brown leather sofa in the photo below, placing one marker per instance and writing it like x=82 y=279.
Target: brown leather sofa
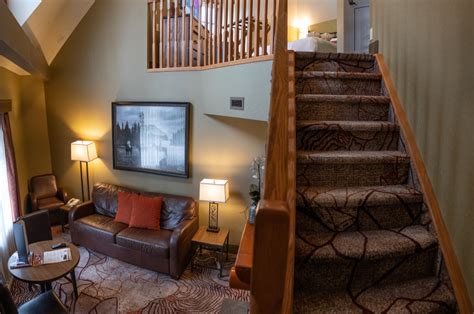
x=44 y=194
x=167 y=250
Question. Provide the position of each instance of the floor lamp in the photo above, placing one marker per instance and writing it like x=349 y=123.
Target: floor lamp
x=84 y=152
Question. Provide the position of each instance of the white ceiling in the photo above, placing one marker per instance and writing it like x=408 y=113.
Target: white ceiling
x=47 y=23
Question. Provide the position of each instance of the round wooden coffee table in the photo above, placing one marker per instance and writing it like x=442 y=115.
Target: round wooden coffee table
x=44 y=275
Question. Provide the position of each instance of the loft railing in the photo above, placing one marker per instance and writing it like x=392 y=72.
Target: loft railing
x=274 y=237
x=201 y=34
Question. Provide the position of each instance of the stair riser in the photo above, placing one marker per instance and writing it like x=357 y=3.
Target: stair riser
x=331 y=64
x=357 y=275
x=347 y=175
x=328 y=219
x=333 y=137
x=337 y=86
x=341 y=111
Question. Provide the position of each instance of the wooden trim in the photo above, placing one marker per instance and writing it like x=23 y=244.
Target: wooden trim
x=5 y=105
x=16 y=46
x=214 y=66
x=455 y=273
x=243 y=264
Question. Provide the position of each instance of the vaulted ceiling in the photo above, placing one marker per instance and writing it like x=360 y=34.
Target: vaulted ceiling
x=46 y=24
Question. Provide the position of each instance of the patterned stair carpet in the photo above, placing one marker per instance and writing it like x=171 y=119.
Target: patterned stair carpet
x=107 y=285
x=364 y=238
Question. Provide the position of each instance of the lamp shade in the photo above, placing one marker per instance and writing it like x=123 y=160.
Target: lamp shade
x=83 y=151
x=211 y=190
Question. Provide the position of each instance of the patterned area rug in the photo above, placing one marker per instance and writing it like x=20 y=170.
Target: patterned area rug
x=107 y=285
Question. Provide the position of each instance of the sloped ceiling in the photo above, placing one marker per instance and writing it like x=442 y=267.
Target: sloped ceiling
x=53 y=22
x=46 y=23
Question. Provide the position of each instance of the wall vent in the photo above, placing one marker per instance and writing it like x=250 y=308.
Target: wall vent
x=237 y=103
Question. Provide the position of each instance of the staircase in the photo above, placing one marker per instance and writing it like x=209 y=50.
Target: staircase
x=364 y=237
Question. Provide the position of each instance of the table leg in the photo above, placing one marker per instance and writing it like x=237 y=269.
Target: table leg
x=221 y=261
x=48 y=286
x=227 y=249
x=74 y=284
x=43 y=287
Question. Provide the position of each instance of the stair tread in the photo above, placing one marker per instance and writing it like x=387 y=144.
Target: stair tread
x=345 y=157
x=349 y=125
x=425 y=295
x=334 y=56
x=338 y=75
x=366 y=244
x=342 y=98
x=351 y=197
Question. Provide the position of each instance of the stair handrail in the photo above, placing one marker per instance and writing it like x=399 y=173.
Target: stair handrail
x=274 y=237
x=430 y=199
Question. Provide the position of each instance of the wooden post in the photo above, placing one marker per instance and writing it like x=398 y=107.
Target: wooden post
x=257 y=30
x=168 y=35
x=237 y=25
x=191 y=34
x=231 y=31
x=162 y=34
x=250 y=30
x=264 y=28
x=183 y=34
x=153 y=36
x=242 y=33
x=175 y=53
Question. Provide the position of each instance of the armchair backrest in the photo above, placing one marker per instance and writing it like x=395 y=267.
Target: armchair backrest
x=7 y=305
x=38 y=227
x=175 y=208
x=43 y=186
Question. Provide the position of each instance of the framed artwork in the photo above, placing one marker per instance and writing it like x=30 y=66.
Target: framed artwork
x=151 y=137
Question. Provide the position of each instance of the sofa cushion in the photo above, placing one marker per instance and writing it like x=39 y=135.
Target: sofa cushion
x=44 y=186
x=153 y=242
x=49 y=203
x=146 y=212
x=105 y=198
x=100 y=227
x=125 y=207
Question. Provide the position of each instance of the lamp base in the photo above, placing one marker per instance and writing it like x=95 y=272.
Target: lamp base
x=213 y=229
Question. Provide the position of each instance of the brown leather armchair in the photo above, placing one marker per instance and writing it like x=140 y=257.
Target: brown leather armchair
x=44 y=194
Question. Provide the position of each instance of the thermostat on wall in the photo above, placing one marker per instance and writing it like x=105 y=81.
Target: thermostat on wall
x=237 y=103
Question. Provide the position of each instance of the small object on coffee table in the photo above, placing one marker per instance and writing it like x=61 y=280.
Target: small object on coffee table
x=214 y=241
x=58 y=246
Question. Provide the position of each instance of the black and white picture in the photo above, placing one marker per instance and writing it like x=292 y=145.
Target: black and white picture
x=151 y=137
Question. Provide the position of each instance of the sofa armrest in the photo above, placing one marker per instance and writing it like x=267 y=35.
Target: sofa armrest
x=62 y=195
x=80 y=211
x=33 y=202
x=180 y=246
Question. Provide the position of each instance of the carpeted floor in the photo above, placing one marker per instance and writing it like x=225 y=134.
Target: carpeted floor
x=107 y=285
x=364 y=238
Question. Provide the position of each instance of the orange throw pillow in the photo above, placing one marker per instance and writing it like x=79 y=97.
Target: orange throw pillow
x=124 y=207
x=146 y=212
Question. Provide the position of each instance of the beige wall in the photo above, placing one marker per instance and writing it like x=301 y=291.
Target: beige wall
x=303 y=13
x=428 y=46
x=29 y=126
x=104 y=60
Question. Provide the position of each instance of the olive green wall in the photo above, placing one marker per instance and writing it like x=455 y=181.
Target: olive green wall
x=29 y=126
x=428 y=46
x=104 y=60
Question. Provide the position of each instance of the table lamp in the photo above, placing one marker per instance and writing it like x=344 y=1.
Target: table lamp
x=214 y=192
x=84 y=152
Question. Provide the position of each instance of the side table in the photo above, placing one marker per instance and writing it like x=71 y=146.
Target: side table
x=64 y=215
x=214 y=241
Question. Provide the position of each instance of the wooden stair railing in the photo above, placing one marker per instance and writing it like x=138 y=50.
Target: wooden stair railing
x=452 y=265
x=188 y=35
x=272 y=239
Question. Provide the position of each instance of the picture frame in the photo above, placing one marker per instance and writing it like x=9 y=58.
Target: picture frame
x=151 y=137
